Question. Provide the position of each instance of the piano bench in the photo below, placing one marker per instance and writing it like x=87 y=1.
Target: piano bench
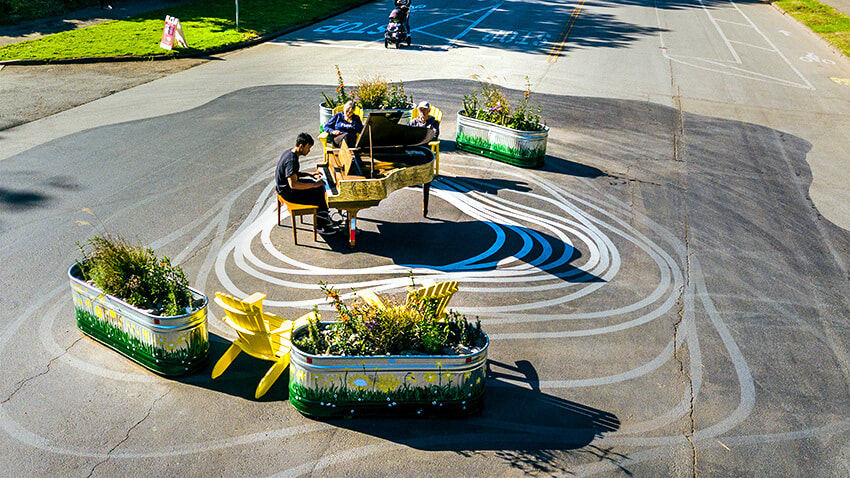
x=296 y=210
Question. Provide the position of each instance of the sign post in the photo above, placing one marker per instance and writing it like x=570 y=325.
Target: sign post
x=237 y=14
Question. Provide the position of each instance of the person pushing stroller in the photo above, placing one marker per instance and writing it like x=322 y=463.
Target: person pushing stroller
x=398 y=28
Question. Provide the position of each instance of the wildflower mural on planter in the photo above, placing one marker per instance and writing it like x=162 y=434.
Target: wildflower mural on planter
x=397 y=359
x=140 y=305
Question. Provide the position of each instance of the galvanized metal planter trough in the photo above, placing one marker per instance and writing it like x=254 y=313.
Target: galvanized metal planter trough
x=411 y=385
x=520 y=148
x=170 y=346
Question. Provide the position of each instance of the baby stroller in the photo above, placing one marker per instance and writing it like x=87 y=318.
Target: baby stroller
x=398 y=28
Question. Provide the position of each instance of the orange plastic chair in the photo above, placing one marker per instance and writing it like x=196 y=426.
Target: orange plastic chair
x=441 y=291
x=296 y=210
x=434 y=145
x=261 y=334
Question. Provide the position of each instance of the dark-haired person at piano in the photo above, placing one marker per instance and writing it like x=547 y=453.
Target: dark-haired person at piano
x=425 y=120
x=303 y=188
x=344 y=126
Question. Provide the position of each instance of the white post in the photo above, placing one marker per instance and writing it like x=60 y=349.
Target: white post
x=237 y=14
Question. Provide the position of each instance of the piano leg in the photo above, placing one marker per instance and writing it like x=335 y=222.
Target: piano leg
x=426 y=188
x=351 y=226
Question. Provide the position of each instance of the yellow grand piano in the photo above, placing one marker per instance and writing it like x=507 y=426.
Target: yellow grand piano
x=387 y=157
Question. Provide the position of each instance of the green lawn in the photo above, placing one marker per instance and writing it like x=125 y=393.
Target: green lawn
x=207 y=25
x=824 y=20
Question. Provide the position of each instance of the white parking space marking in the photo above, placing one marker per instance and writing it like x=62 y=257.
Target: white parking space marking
x=736 y=66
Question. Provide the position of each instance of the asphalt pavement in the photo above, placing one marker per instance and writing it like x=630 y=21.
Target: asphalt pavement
x=667 y=296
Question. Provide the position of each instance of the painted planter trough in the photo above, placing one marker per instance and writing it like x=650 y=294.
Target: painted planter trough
x=336 y=386
x=520 y=148
x=170 y=346
x=325 y=114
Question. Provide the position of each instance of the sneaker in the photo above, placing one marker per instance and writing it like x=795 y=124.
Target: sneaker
x=325 y=217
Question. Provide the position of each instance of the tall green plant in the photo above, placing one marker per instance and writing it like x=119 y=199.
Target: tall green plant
x=134 y=274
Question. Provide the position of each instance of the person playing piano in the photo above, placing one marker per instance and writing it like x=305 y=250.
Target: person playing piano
x=425 y=120
x=303 y=188
x=344 y=126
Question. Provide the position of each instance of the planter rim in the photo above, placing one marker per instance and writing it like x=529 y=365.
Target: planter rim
x=334 y=357
x=74 y=269
x=544 y=130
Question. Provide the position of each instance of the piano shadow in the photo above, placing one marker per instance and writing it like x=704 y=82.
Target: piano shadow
x=517 y=418
x=448 y=246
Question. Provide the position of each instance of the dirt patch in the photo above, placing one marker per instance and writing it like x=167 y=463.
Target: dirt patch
x=28 y=93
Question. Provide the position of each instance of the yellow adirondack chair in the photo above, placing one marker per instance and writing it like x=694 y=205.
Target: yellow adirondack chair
x=261 y=334
x=441 y=291
x=323 y=136
x=434 y=145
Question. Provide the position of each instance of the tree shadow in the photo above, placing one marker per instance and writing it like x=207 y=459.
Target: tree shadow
x=21 y=200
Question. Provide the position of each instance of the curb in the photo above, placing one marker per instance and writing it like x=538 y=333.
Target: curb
x=813 y=33
x=196 y=54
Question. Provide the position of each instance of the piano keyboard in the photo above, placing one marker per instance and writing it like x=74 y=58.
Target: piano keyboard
x=330 y=185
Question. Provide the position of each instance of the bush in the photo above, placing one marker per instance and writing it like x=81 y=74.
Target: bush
x=396 y=329
x=494 y=107
x=12 y=10
x=135 y=275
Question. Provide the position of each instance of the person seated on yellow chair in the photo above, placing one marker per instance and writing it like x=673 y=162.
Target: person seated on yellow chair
x=344 y=126
x=425 y=120
x=303 y=188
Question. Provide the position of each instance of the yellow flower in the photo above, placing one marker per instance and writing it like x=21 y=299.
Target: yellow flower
x=412 y=378
x=447 y=375
x=301 y=375
x=478 y=380
x=439 y=364
x=467 y=375
x=359 y=381
x=387 y=383
x=430 y=377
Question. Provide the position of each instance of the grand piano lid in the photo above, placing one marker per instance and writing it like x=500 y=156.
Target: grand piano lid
x=382 y=131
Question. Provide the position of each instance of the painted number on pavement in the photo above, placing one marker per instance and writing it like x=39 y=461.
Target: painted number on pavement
x=812 y=58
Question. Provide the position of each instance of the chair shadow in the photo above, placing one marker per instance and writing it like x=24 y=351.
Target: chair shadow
x=241 y=378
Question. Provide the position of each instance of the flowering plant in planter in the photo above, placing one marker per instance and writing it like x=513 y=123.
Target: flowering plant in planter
x=341 y=95
x=393 y=359
x=377 y=93
x=395 y=329
x=490 y=104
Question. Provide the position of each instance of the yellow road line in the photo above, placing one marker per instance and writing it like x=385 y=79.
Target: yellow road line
x=840 y=81
x=555 y=51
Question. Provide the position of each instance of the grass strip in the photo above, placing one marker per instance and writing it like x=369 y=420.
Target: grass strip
x=207 y=25
x=824 y=20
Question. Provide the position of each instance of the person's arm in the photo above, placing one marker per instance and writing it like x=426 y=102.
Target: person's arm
x=295 y=183
x=330 y=126
x=358 y=125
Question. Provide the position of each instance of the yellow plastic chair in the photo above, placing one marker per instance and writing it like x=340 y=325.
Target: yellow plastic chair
x=261 y=334
x=323 y=136
x=441 y=291
x=434 y=145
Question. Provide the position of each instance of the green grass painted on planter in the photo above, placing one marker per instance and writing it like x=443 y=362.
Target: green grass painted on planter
x=340 y=399
x=207 y=25
x=530 y=158
x=824 y=20
x=178 y=361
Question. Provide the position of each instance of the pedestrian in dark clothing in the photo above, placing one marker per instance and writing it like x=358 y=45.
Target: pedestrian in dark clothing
x=303 y=188
x=344 y=126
